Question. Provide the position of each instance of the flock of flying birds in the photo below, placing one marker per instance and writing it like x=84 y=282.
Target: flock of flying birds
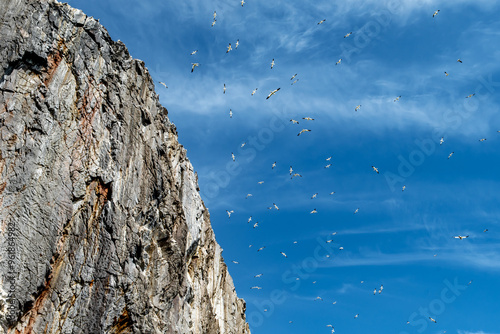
x=294 y=174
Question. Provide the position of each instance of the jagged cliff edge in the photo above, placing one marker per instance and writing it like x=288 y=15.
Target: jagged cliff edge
x=102 y=226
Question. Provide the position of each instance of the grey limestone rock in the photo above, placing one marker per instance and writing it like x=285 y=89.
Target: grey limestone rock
x=102 y=226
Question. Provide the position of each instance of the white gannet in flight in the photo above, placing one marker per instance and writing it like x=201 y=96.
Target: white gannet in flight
x=328 y=166
x=320 y=22
x=308 y=118
x=314 y=196
x=237 y=43
x=296 y=174
x=403 y=189
x=485 y=230
x=470 y=95
x=341 y=248
x=258 y=275
x=318 y=298
x=249 y=219
x=294 y=121
x=295 y=81
x=194 y=65
x=260 y=182
x=461 y=237
x=381 y=288
x=435 y=13
x=433 y=320
x=272 y=64
x=229 y=48
x=256 y=287
x=441 y=141
x=235 y=262
x=243 y=145
x=374 y=291
x=215 y=14
x=194 y=52
x=314 y=211
x=276 y=207
x=356 y=211
x=375 y=169
x=229 y=213
x=397 y=98
x=357 y=315
x=283 y=254
x=232 y=156
x=482 y=139
x=338 y=61
x=274 y=165
x=333 y=192
x=449 y=156
x=357 y=107
x=272 y=93
x=261 y=248
x=162 y=83
x=348 y=34
x=293 y=77
x=213 y=22
x=224 y=89
x=242 y=2
x=459 y=60
x=302 y=131
x=248 y=195
x=254 y=91
x=256 y=224
x=446 y=73
x=230 y=113
x=291 y=170
x=329 y=158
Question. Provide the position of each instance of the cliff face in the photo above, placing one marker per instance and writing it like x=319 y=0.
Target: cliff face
x=102 y=226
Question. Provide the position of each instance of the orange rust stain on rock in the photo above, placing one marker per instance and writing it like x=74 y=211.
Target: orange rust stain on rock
x=122 y=324
x=53 y=61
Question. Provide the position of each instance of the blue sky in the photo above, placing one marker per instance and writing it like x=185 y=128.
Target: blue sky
x=403 y=240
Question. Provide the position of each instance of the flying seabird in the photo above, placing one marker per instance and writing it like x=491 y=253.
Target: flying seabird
x=302 y=131
x=276 y=207
x=441 y=141
x=435 y=13
x=242 y=145
x=260 y=182
x=320 y=22
x=293 y=77
x=254 y=91
x=232 y=156
x=357 y=107
x=256 y=224
x=274 y=165
x=272 y=64
x=403 y=189
x=356 y=211
x=449 y=156
x=224 y=89
x=272 y=93
x=283 y=254
x=237 y=43
x=446 y=73
x=482 y=139
x=248 y=195
x=215 y=14
x=314 y=211
x=348 y=34
x=162 y=83
x=229 y=48
x=229 y=213
x=291 y=170
x=256 y=287
x=459 y=60
x=314 y=196
x=213 y=22
x=235 y=262
x=470 y=95
x=257 y=276
x=329 y=158
x=433 y=320
x=294 y=121
x=194 y=65
x=295 y=81
x=261 y=248
x=397 y=98
x=461 y=237
x=338 y=61
x=308 y=118
x=333 y=192
x=242 y=3
x=230 y=113
x=194 y=52
x=249 y=219
x=375 y=169
x=318 y=298
x=328 y=166
x=296 y=174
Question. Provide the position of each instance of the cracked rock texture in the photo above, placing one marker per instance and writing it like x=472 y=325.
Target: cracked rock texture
x=102 y=204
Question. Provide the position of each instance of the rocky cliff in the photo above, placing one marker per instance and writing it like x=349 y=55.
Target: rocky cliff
x=102 y=226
